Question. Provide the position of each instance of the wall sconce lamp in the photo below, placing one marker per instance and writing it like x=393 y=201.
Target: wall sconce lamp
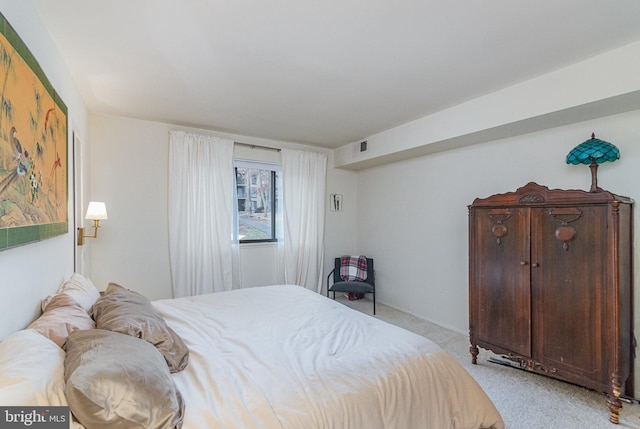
x=96 y=211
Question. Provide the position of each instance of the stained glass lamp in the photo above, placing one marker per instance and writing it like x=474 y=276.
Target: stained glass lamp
x=593 y=152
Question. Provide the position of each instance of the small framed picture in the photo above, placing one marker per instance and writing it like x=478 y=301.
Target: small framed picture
x=335 y=202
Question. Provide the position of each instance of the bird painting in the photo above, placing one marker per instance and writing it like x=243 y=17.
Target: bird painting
x=21 y=156
x=23 y=162
x=33 y=147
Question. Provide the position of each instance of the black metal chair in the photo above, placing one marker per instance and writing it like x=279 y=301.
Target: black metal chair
x=366 y=286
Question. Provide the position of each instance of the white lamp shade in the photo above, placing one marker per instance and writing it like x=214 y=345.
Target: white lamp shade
x=96 y=210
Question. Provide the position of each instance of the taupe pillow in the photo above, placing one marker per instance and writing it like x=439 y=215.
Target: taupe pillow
x=125 y=311
x=119 y=381
x=62 y=316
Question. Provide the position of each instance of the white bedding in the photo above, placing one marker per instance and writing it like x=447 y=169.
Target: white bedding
x=284 y=357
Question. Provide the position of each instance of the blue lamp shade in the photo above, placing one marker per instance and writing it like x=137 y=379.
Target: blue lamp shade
x=593 y=152
x=593 y=149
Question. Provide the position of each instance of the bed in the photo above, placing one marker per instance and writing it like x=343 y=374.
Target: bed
x=264 y=357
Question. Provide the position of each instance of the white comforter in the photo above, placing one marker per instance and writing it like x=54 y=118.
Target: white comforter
x=285 y=357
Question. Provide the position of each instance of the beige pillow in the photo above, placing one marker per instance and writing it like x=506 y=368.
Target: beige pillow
x=128 y=312
x=62 y=316
x=119 y=381
x=78 y=287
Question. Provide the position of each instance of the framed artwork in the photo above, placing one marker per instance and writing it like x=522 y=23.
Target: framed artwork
x=335 y=203
x=33 y=147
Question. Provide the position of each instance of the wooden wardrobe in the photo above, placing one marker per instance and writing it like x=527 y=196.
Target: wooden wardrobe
x=550 y=285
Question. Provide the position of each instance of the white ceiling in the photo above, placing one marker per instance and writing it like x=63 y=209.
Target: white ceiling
x=320 y=72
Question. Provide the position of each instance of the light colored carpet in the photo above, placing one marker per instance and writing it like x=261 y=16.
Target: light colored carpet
x=525 y=400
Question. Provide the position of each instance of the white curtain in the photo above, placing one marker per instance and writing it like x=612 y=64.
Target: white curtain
x=304 y=181
x=200 y=214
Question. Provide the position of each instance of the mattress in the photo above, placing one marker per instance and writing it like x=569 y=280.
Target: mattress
x=285 y=357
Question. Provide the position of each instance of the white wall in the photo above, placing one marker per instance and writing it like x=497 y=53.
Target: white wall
x=413 y=213
x=415 y=181
x=30 y=272
x=129 y=171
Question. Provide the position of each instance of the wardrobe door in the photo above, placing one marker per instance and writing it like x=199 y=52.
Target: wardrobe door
x=500 y=287
x=569 y=292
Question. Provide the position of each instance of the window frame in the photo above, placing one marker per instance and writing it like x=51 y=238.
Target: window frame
x=274 y=170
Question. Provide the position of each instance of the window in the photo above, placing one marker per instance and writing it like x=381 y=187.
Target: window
x=256 y=195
